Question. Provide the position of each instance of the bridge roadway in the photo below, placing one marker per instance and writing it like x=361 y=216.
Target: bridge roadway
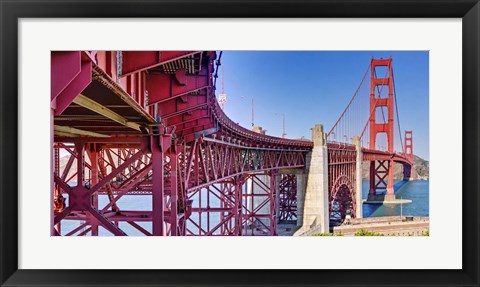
x=148 y=123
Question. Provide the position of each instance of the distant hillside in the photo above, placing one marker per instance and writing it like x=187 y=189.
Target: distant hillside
x=73 y=168
x=420 y=169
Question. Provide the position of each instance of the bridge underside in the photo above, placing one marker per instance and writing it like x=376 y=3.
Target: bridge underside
x=141 y=146
x=207 y=201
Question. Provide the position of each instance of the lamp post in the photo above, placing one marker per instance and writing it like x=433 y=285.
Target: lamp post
x=401 y=208
x=283 y=116
x=253 y=114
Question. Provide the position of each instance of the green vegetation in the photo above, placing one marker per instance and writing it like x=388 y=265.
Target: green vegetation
x=322 y=234
x=326 y=234
x=363 y=232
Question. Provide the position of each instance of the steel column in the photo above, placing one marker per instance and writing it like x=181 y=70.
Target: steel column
x=158 y=207
x=273 y=203
x=93 y=181
x=173 y=192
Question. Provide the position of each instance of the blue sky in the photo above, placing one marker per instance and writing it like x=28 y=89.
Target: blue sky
x=312 y=87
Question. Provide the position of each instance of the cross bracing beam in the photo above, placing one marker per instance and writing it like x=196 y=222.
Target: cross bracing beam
x=104 y=111
x=74 y=131
x=214 y=161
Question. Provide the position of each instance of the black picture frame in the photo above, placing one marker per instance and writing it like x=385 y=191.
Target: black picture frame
x=11 y=11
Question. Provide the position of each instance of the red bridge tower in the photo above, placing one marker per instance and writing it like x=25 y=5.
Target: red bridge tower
x=408 y=144
x=381 y=171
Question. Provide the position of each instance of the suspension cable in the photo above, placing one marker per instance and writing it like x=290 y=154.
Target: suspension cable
x=373 y=110
x=379 y=94
x=350 y=102
x=398 y=115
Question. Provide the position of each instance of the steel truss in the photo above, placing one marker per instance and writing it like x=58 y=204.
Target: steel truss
x=179 y=180
x=379 y=175
x=240 y=205
x=287 y=198
x=148 y=123
x=224 y=180
x=341 y=181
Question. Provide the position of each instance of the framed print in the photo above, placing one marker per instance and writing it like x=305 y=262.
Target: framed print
x=228 y=143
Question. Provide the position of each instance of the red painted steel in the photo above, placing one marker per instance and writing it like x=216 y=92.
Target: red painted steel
x=287 y=198
x=194 y=148
x=408 y=145
x=164 y=87
x=341 y=180
x=166 y=137
x=377 y=173
x=137 y=61
x=72 y=76
x=342 y=157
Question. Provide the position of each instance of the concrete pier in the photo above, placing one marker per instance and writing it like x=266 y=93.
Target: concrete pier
x=315 y=209
x=358 y=178
x=301 y=189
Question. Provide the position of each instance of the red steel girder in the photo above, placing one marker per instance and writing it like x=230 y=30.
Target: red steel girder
x=174 y=108
x=213 y=160
x=136 y=61
x=381 y=176
x=189 y=116
x=163 y=87
x=341 y=180
x=287 y=197
x=187 y=102
x=69 y=76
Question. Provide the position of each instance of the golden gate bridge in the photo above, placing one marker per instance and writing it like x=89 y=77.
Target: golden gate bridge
x=149 y=123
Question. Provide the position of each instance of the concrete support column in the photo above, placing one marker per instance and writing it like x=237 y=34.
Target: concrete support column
x=358 y=178
x=301 y=189
x=316 y=196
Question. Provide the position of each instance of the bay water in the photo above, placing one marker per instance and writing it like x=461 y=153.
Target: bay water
x=417 y=191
